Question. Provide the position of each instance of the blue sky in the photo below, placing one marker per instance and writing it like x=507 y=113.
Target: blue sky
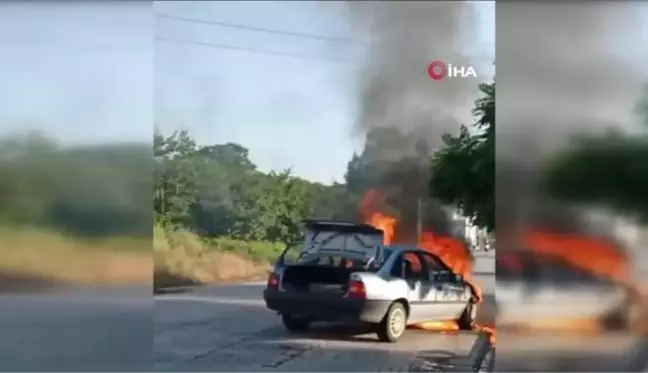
x=87 y=73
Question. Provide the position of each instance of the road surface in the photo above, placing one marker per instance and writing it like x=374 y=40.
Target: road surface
x=563 y=353
x=228 y=328
x=77 y=330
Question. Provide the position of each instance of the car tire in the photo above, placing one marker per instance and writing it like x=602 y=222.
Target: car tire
x=468 y=317
x=621 y=319
x=393 y=325
x=294 y=324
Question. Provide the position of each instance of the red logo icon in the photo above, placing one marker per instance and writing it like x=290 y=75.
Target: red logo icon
x=437 y=70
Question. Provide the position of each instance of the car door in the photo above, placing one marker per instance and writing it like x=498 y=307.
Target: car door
x=445 y=294
x=410 y=268
x=574 y=293
x=515 y=286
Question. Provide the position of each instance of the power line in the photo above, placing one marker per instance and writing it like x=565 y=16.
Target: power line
x=246 y=49
x=260 y=29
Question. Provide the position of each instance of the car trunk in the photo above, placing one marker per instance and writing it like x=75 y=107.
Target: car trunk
x=316 y=279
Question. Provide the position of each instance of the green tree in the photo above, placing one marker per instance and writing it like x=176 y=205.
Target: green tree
x=175 y=175
x=81 y=190
x=609 y=171
x=463 y=170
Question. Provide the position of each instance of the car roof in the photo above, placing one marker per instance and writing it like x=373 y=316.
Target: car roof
x=340 y=226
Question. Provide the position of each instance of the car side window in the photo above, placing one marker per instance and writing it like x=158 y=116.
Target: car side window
x=434 y=266
x=413 y=268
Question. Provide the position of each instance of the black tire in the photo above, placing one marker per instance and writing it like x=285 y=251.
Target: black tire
x=294 y=324
x=393 y=325
x=468 y=317
x=622 y=319
x=616 y=321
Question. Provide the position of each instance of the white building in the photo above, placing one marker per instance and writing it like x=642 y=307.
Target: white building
x=476 y=237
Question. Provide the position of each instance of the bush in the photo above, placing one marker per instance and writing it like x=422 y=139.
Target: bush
x=182 y=258
x=255 y=250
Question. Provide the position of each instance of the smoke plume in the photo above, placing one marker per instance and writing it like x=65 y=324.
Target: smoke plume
x=567 y=69
x=403 y=113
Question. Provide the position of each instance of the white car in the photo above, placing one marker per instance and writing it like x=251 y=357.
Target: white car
x=536 y=289
x=343 y=272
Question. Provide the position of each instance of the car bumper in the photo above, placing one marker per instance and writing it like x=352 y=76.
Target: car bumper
x=326 y=308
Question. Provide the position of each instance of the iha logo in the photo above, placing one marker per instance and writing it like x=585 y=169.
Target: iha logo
x=439 y=70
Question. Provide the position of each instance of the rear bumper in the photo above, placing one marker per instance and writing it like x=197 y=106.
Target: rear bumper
x=326 y=308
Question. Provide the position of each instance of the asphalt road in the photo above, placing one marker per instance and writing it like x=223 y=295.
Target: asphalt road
x=77 y=330
x=228 y=328
x=537 y=352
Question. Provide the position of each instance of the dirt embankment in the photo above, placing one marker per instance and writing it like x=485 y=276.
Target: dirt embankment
x=32 y=259
x=182 y=259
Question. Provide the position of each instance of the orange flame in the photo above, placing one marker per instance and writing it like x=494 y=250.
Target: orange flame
x=370 y=207
x=450 y=250
x=591 y=254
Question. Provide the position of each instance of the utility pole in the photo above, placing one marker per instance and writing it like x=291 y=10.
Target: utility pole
x=419 y=218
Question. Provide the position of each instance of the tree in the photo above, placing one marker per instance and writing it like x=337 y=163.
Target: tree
x=463 y=170
x=175 y=175
x=81 y=190
x=609 y=171
x=214 y=190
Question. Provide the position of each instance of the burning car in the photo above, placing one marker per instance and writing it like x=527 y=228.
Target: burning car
x=344 y=272
x=539 y=288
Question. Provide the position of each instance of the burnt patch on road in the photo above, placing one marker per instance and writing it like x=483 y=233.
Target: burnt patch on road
x=286 y=354
x=256 y=356
x=481 y=358
x=434 y=361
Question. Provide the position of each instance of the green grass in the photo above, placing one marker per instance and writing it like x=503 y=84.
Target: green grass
x=30 y=251
x=254 y=250
x=182 y=257
x=179 y=257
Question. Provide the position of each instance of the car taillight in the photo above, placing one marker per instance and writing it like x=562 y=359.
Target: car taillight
x=273 y=281
x=357 y=289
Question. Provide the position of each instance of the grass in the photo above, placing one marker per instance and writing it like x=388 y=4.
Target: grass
x=183 y=258
x=46 y=256
x=37 y=256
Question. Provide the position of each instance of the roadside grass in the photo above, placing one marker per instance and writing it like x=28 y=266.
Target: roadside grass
x=45 y=256
x=33 y=257
x=183 y=258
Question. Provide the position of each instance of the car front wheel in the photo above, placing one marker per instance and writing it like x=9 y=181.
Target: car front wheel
x=468 y=317
x=393 y=325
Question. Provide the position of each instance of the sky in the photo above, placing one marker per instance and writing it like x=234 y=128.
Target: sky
x=90 y=73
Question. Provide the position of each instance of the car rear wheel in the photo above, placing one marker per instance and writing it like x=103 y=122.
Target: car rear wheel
x=294 y=324
x=393 y=325
x=468 y=317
